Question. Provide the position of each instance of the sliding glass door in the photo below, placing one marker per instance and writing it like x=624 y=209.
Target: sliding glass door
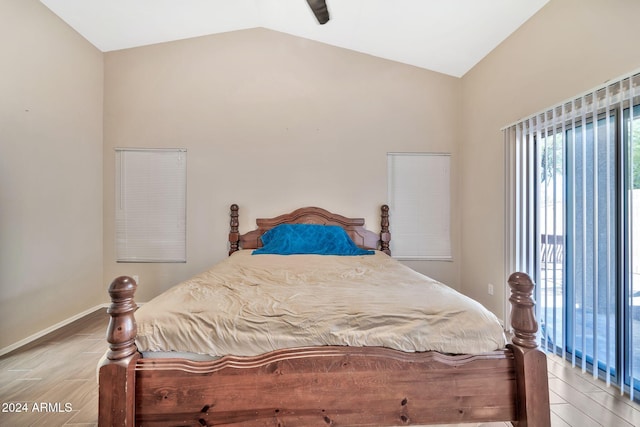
x=588 y=234
x=591 y=242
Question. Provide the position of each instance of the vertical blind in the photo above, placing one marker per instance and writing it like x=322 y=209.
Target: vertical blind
x=419 y=200
x=569 y=210
x=151 y=205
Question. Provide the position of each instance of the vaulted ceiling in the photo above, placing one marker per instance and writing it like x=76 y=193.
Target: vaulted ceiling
x=447 y=36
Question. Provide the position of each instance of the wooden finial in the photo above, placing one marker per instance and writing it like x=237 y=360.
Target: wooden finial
x=234 y=236
x=385 y=236
x=122 y=329
x=523 y=320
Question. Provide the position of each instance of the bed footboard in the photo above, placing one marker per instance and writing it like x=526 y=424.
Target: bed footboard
x=326 y=386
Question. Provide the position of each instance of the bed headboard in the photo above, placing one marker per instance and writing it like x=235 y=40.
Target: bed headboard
x=311 y=215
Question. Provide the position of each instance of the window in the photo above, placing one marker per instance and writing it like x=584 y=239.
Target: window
x=151 y=205
x=419 y=202
x=573 y=223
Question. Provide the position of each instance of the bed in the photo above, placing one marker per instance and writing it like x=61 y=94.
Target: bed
x=348 y=378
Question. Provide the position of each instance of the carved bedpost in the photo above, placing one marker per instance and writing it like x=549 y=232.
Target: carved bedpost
x=385 y=236
x=117 y=371
x=531 y=363
x=122 y=330
x=523 y=319
x=234 y=236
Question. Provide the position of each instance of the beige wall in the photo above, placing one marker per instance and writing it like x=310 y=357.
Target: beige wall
x=271 y=122
x=50 y=171
x=568 y=47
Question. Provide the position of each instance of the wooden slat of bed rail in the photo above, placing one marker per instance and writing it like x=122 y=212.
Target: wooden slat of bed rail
x=340 y=389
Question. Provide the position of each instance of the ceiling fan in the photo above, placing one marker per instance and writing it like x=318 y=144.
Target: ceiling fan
x=319 y=8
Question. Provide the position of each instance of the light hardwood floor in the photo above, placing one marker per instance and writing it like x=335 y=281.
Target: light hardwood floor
x=53 y=380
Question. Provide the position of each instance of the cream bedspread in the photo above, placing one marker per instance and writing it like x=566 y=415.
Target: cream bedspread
x=252 y=304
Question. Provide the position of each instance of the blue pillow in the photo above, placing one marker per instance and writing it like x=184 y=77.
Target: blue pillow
x=316 y=239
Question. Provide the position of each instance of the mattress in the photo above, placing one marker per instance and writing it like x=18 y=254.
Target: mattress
x=250 y=304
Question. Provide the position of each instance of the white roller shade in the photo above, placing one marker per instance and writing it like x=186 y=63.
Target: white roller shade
x=419 y=202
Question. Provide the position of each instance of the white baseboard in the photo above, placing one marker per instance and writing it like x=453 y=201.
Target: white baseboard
x=50 y=329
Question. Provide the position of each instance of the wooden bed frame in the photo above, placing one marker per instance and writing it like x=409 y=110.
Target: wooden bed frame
x=324 y=386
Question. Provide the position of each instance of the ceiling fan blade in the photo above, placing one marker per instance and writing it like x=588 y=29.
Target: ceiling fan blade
x=319 y=8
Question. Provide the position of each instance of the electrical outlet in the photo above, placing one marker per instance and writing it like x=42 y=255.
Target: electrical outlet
x=490 y=289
